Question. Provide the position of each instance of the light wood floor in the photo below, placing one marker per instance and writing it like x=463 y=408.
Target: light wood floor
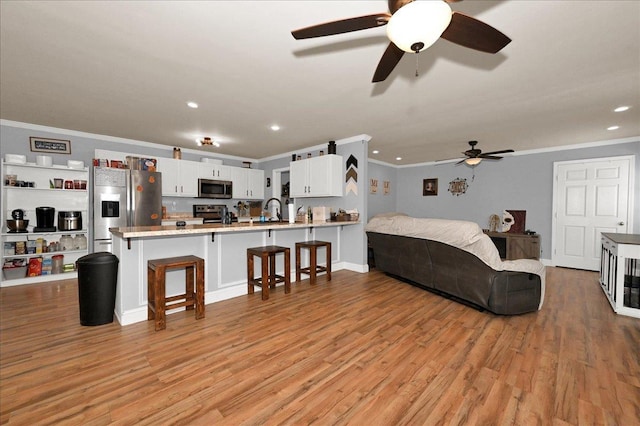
x=363 y=349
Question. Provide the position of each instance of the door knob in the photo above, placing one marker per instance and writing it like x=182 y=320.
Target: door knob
x=621 y=223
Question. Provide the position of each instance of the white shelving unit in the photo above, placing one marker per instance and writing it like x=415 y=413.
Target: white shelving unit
x=28 y=198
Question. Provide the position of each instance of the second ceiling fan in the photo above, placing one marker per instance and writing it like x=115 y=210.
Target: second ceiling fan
x=475 y=155
x=413 y=26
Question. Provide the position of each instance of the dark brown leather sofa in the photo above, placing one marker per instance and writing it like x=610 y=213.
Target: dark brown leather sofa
x=433 y=265
x=457 y=259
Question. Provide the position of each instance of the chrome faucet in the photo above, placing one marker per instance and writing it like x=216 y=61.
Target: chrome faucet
x=278 y=214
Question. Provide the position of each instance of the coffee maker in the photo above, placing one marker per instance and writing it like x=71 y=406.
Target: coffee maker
x=45 y=217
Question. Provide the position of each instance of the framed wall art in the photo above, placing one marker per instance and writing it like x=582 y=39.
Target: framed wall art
x=57 y=146
x=429 y=187
x=458 y=186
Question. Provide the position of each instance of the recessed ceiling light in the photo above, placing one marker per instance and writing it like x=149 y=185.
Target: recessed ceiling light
x=275 y=127
x=398 y=158
x=192 y=104
x=621 y=108
x=613 y=128
x=375 y=151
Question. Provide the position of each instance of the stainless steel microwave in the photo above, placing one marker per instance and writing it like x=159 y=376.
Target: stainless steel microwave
x=208 y=188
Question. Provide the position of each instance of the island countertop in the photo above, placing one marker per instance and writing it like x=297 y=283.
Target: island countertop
x=207 y=228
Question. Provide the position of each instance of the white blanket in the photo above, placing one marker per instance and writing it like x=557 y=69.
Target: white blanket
x=467 y=236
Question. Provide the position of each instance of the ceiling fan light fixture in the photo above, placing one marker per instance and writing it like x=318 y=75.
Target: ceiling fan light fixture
x=473 y=161
x=417 y=25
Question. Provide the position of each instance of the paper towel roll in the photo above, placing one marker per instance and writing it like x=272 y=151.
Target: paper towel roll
x=292 y=213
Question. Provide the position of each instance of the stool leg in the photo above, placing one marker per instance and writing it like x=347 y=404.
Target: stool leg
x=189 y=280
x=151 y=294
x=297 y=262
x=250 y=273
x=328 y=246
x=313 y=264
x=159 y=298
x=265 y=276
x=287 y=271
x=200 y=289
x=272 y=270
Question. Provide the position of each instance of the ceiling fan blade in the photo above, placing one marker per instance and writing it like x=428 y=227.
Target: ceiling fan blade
x=342 y=26
x=489 y=157
x=474 y=34
x=504 y=151
x=460 y=162
x=388 y=62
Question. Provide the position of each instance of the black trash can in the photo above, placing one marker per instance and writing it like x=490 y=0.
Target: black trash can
x=97 y=278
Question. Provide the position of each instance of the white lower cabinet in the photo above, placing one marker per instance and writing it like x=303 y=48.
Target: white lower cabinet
x=316 y=177
x=179 y=177
x=248 y=183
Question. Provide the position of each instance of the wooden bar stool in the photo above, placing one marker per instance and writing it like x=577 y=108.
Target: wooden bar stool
x=313 y=268
x=158 y=303
x=269 y=278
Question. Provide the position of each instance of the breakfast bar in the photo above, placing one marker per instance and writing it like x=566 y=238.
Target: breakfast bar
x=223 y=247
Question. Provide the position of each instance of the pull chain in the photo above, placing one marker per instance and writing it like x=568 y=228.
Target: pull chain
x=417 y=64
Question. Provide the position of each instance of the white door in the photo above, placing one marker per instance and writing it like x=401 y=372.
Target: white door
x=590 y=197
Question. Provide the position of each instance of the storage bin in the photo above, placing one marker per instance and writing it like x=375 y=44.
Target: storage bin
x=14 y=273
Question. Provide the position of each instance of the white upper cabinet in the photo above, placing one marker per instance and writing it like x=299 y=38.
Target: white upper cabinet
x=247 y=183
x=179 y=177
x=214 y=171
x=316 y=177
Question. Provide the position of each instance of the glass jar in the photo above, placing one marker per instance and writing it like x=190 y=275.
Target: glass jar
x=80 y=242
x=66 y=242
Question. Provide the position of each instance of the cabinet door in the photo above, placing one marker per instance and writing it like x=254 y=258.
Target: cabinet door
x=318 y=177
x=206 y=171
x=298 y=179
x=179 y=177
x=170 y=169
x=214 y=171
x=239 y=179
x=523 y=247
x=223 y=172
x=255 y=185
x=188 y=179
x=325 y=176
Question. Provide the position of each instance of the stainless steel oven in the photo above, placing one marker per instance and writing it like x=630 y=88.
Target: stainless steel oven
x=209 y=188
x=214 y=213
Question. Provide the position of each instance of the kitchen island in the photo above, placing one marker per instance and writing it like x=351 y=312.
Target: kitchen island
x=223 y=247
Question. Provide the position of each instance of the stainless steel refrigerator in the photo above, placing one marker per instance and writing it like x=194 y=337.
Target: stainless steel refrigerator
x=124 y=197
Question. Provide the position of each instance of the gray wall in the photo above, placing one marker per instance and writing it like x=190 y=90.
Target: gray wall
x=522 y=182
x=15 y=140
x=379 y=202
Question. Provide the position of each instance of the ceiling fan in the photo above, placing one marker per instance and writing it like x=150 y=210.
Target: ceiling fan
x=412 y=27
x=475 y=155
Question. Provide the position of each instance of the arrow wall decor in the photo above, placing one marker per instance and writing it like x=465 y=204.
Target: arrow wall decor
x=351 y=177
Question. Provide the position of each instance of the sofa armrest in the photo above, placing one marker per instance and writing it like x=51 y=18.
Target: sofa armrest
x=515 y=293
